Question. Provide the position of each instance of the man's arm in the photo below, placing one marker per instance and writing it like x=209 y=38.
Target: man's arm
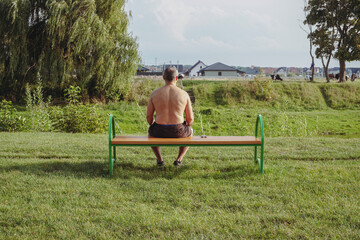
x=150 y=112
x=189 y=112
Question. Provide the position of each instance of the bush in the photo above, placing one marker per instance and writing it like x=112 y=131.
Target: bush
x=9 y=121
x=140 y=91
x=78 y=119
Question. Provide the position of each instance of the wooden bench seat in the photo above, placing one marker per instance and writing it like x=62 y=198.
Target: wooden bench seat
x=117 y=141
x=189 y=141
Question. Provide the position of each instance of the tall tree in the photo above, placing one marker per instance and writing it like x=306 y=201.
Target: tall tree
x=342 y=15
x=311 y=40
x=69 y=42
x=324 y=40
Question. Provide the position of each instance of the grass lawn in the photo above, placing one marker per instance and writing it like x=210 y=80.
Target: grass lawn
x=56 y=186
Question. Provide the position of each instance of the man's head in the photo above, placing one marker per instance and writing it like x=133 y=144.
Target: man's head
x=170 y=74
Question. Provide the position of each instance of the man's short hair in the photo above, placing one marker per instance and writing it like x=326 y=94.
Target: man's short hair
x=170 y=74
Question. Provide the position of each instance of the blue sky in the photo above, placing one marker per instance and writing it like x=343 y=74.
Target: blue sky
x=235 y=32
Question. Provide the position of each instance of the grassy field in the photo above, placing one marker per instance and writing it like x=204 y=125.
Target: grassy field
x=56 y=186
x=235 y=120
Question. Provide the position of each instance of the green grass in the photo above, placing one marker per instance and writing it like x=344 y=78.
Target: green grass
x=237 y=120
x=293 y=96
x=56 y=186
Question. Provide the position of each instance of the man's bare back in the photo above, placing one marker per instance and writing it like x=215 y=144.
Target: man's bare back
x=170 y=102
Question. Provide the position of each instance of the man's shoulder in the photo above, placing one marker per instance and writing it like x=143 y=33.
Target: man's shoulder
x=185 y=93
x=155 y=91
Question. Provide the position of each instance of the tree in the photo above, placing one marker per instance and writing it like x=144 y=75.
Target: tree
x=69 y=42
x=325 y=42
x=343 y=16
x=311 y=41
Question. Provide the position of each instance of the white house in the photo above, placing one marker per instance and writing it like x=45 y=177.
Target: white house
x=219 y=70
x=193 y=71
x=352 y=71
x=282 y=71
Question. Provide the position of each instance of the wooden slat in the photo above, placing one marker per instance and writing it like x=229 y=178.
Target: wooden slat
x=195 y=140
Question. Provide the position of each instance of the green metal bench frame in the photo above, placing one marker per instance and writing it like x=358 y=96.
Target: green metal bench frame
x=259 y=161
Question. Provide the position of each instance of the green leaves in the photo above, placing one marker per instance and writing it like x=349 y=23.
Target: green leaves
x=69 y=42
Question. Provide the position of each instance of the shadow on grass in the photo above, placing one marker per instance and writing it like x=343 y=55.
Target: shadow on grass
x=129 y=170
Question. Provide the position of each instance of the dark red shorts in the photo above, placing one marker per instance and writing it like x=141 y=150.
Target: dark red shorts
x=170 y=131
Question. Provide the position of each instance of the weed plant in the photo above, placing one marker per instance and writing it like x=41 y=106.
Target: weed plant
x=38 y=108
x=9 y=120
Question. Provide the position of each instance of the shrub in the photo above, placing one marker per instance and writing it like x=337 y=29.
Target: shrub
x=75 y=117
x=263 y=90
x=78 y=119
x=141 y=89
x=9 y=121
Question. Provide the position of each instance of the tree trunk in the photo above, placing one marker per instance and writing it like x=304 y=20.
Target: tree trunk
x=342 y=71
x=326 y=68
x=312 y=71
x=312 y=59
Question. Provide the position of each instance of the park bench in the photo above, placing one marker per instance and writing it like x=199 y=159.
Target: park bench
x=117 y=141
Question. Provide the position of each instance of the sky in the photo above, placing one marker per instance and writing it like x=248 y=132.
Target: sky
x=264 y=33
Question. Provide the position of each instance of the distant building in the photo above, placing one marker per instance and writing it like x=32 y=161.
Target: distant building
x=194 y=69
x=219 y=70
x=268 y=70
x=249 y=71
x=142 y=69
x=295 y=70
x=179 y=67
x=282 y=71
x=351 y=71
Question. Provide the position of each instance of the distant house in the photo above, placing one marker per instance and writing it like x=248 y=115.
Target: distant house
x=295 y=70
x=179 y=67
x=219 y=70
x=141 y=70
x=268 y=70
x=282 y=71
x=351 y=71
x=334 y=70
x=194 y=69
x=249 y=71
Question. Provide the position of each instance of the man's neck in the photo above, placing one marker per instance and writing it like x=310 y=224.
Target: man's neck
x=172 y=83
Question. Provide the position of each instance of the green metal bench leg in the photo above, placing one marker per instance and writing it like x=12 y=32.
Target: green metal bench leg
x=111 y=162
x=261 y=160
x=255 y=157
x=114 y=150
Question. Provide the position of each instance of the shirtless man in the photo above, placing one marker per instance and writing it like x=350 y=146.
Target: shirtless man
x=170 y=102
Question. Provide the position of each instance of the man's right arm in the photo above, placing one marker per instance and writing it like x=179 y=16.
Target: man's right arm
x=150 y=112
x=189 y=112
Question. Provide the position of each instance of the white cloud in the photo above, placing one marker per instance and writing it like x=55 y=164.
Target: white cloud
x=264 y=43
x=217 y=11
x=174 y=16
x=207 y=41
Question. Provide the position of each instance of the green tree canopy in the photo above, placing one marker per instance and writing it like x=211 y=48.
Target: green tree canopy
x=69 y=42
x=339 y=17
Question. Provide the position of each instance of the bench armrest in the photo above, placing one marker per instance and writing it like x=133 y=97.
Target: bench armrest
x=259 y=121
x=111 y=128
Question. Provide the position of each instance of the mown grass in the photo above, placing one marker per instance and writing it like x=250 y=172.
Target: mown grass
x=56 y=186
